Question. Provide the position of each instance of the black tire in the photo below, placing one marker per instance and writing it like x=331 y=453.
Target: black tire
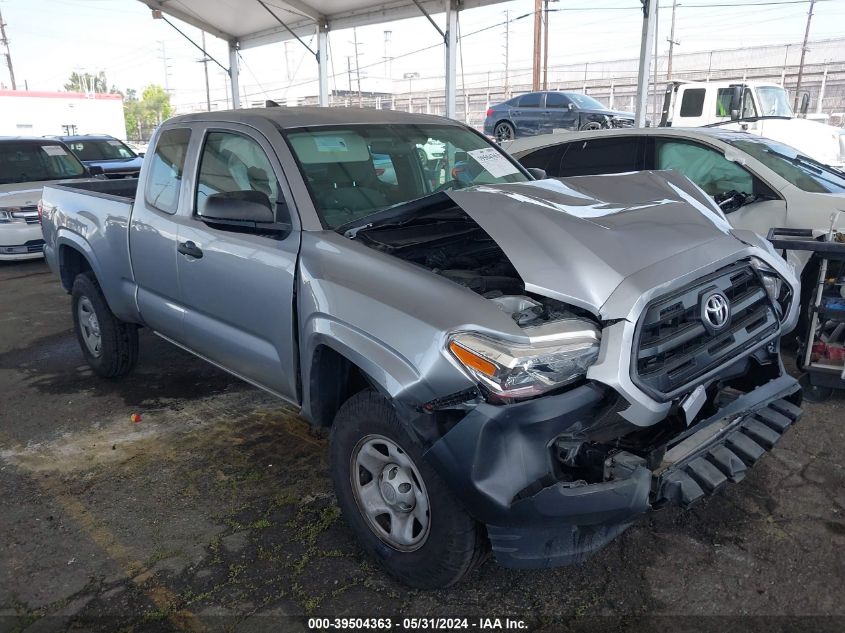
x=118 y=352
x=592 y=125
x=504 y=131
x=456 y=543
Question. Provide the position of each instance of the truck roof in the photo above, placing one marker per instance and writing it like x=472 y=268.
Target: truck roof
x=727 y=82
x=305 y=116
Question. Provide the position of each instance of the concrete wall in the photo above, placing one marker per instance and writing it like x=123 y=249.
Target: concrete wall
x=32 y=113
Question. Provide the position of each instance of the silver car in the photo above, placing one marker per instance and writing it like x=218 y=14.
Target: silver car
x=508 y=363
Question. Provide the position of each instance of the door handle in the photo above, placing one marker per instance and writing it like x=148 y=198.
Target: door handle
x=190 y=249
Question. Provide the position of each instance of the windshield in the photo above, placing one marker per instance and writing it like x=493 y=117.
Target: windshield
x=803 y=172
x=33 y=161
x=773 y=102
x=101 y=149
x=353 y=171
x=583 y=101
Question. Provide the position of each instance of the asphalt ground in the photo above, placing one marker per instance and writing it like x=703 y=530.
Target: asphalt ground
x=215 y=512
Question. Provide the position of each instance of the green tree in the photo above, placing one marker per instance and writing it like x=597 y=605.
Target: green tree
x=156 y=102
x=144 y=114
x=86 y=82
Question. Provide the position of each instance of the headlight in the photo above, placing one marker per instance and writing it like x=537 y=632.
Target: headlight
x=5 y=216
x=511 y=371
x=778 y=291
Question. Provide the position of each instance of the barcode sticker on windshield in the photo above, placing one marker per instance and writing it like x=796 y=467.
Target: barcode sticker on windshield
x=54 y=150
x=496 y=164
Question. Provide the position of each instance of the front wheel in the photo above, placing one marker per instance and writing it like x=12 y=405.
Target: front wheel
x=402 y=513
x=109 y=345
x=504 y=131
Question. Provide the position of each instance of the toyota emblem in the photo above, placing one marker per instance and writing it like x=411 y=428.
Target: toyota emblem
x=716 y=310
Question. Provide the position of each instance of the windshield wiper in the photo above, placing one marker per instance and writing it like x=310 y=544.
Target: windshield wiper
x=391 y=213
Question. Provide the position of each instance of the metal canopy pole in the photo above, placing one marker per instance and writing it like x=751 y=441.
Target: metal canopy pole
x=451 y=56
x=233 y=75
x=323 y=61
x=649 y=19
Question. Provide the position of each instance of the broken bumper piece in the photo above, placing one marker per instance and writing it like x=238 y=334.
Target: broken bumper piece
x=495 y=459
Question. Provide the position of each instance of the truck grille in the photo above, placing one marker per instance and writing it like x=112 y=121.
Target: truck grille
x=676 y=342
x=30 y=214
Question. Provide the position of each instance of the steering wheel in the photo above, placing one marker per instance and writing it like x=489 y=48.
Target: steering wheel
x=449 y=184
x=731 y=200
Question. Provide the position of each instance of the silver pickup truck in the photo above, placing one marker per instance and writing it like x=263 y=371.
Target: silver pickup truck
x=506 y=363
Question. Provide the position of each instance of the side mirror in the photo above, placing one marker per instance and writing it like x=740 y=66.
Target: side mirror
x=736 y=102
x=96 y=170
x=537 y=173
x=249 y=210
x=141 y=154
x=571 y=106
x=805 y=103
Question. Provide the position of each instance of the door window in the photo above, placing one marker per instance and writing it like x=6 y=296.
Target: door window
x=233 y=162
x=164 y=179
x=692 y=103
x=556 y=100
x=723 y=103
x=599 y=156
x=705 y=166
x=531 y=100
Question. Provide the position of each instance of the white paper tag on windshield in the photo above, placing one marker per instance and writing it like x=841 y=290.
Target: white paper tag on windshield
x=54 y=150
x=496 y=164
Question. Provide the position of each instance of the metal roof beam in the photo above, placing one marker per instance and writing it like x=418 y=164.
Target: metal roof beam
x=305 y=9
x=167 y=7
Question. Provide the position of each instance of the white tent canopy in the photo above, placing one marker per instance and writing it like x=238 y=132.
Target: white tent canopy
x=249 y=23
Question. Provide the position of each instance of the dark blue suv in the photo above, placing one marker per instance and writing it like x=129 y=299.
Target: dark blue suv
x=112 y=155
x=549 y=112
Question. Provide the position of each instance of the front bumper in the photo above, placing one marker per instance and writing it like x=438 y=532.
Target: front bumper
x=499 y=460
x=20 y=241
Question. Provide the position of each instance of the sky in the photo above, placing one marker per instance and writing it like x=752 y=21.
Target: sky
x=50 y=39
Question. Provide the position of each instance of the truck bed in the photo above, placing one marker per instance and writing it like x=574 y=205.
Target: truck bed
x=123 y=188
x=93 y=216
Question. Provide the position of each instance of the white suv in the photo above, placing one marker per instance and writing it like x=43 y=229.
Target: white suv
x=26 y=164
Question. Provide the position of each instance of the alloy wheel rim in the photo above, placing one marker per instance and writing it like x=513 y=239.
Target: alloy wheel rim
x=390 y=493
x=89 y=326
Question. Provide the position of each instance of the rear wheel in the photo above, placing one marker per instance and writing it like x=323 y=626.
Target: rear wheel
x=109 y=345
x=402 y=513
x=592 y=125
x=504 y=131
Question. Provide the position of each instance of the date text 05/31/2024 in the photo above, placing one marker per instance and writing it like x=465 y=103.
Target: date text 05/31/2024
x=430 y=624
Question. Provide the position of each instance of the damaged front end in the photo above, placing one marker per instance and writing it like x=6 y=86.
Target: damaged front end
x=645 y=368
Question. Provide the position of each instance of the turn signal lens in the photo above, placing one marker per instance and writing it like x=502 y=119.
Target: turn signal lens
x=472 y=360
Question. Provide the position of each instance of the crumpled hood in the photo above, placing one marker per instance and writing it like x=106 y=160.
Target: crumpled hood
x=576 y=239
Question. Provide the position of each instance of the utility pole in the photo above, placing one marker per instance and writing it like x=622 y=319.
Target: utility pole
x=166 y=71
x=357 y=67
x=803 y=53
x=387 y=37
x=349 y=73
x=205 y=70
x=545 y=44
x=672 y=42
x=535 y=68
x=507 y=52
x=4 y=40
x=783 y=72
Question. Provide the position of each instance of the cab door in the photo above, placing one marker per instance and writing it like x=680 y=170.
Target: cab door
x=237 y=285
x=153 y=232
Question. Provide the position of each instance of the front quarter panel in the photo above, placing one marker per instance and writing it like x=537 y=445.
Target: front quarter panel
x=387 y=316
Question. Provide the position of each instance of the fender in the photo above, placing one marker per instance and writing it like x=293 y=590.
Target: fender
x=118 y=291
x=392 y=374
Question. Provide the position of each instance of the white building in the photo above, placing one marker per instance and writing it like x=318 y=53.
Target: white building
x=35 y=113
